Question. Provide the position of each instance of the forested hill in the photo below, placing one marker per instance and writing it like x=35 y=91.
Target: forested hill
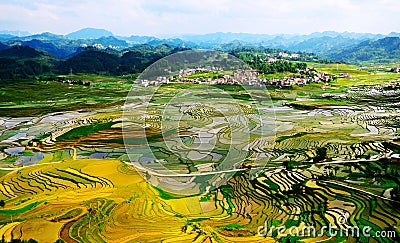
x=3 y=46
x=23 y=61
x=21 y=52
x=26 y=62
x=382 y=50
x=345 y=46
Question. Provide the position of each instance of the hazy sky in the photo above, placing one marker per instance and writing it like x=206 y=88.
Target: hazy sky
x=160 y=17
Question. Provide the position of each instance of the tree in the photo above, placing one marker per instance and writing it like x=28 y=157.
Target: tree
x=336 y=169
x=23 y=241
x=394 y=193
x=329 y=171
x=320 y=155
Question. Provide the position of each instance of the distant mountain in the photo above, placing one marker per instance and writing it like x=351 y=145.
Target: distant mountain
x=224 y=38
x=3 y=46
x=60 y=53
x=14 y=33
x=382 y=50
x=25 y=57
x=345 y=46
x=323 y=34
x=24 y=62
x=361 y=36
x=135 y=39
x=394 y=34
x=138 y=58
x=324 y=44
x=60 y=48
x=89 y=33
x=43 y=36
x=6 y=37
x=110 y=41
x=90 y=60
x=173 y=42
x=154 y=41
x=131 y=60
x=21 y=52
x=273 y=40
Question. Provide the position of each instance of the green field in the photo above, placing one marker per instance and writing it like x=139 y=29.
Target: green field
x=211 y=163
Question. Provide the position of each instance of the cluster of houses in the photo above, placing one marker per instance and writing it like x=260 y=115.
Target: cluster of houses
x=101 y=46
x=318 y=77
x=282 y=56
x=311 y=77
x=245 y=77
x=287 y=55
x=392 y=86
x=395 y=70
x=190 y=71
x=395 y=158
x=72 y=82
x=286 y=81
x=158 y=81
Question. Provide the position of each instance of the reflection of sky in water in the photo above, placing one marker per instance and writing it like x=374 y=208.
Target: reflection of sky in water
x=14 y=151
x=215 y=156
x=146 y=159
x=10 y=124
x=16 y=137
x=204 y=138
x=99 y=155
x=30 y=160
x=275 y=108
x=58 y=118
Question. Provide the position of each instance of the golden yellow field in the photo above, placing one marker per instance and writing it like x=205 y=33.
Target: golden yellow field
x=100 y=200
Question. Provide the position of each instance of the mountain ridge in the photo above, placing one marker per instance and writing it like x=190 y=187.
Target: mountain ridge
x=382 y=50
x=327 y=44
x=89 y=33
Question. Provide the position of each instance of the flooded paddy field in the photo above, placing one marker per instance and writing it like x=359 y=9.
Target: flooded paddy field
x=107 y=174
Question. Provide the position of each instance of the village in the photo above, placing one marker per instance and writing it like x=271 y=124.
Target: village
x=71 y=81
x=215 y=75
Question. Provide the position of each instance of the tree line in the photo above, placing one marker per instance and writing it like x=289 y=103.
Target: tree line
x=23 y=62
x=15 y=63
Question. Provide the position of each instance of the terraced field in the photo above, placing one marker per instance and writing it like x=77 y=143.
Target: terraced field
x=184 y=168
x=85 y=200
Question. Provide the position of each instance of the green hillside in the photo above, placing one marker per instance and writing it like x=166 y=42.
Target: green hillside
x=382 y=50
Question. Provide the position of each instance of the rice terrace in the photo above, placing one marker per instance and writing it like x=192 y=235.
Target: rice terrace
x=304 y=155
x=219 y=137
